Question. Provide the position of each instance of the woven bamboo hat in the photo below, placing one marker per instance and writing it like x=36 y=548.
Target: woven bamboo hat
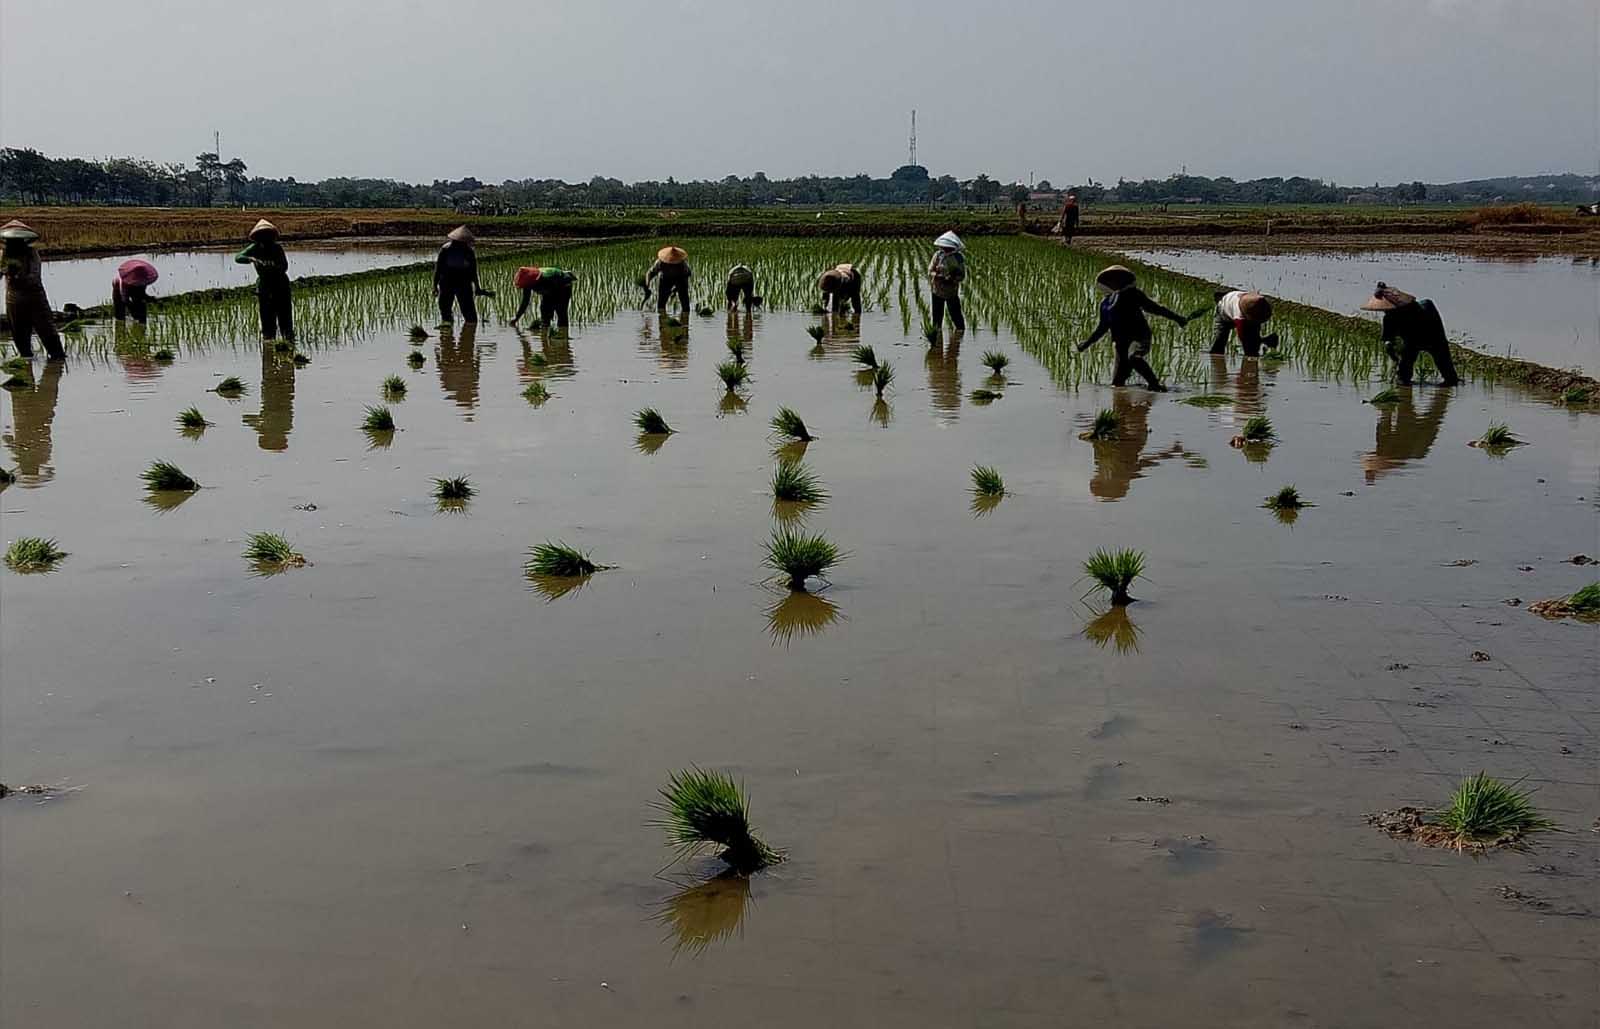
x=1387 y=298
x=460 y=234
x=1255 y=307
x=263 y=227
x=1115 y=277
x=16 y=230
x=672 y=255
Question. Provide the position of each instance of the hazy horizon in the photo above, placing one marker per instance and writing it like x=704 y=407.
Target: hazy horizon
x=1436 y=90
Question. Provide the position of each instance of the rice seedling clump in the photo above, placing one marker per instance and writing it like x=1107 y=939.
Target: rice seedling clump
x=789 y=424
x=995 y=361
x=191 y=418
x=1575 y=395
x=651 y=423
x=163 y=356
x=394 y=387
x=1386 y=396
x=701 y=809
x=33 y=554
x=1584 y=604
x=1208 y=400
x=556 y=559
x=536 y=393
x=882 y=377
x=863 y=355
x=733 y=374
x=230 y=387
x=1483 y=813
x=1107 y=425
x=1114 y=571
x=1258 y=429
x=1497 y=437
x=164 y=476
x=816 y=332
x=793 y=481
x=456 y=488
x=800 y=556
x=378 y=419
x=930 y=333
x=986 y=481
x=271 y=551
x=415 y=359
x=418 y=334
x=1286 y=499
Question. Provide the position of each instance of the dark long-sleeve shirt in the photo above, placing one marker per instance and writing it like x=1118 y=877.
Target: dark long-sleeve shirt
x=272 y=264
x=1418 y=324
x=456 y=265
x=1122 y=314
x=669 y=272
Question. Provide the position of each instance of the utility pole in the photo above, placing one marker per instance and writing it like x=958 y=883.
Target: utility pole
x=913 y=159
x=216 y=144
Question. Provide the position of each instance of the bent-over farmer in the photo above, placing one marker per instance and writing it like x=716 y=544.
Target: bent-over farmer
x=741 y=285
x=841 y=285
x=672 y=268
x=1243 y=313
x=1418 y=328
x=128 y=289
x=554 y=286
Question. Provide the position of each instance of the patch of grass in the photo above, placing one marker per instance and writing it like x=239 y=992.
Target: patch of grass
x=1389 y=395
x=417 y=334
x=793 y=481
x=164 y=476
x=1485 y=812
x=862 y=354
x=984 y=396
x=394 y=387
x=882 y=377
x=1107 y=425
x=816 y=332
x=1286 y=499
x=651 y=423
x=378 y=419
x=800 y=556
x=271 y=552
x=733 y=374
x=33 y=554
x=995 y=361
x=986 y=481
x=1584 y=604
x=788 y=424
x=416 y=359
x=163 y=356
x=536 y=393
x=1208 y=400
x=1258 y=429
x=557 y=560
x=1114 y=571
x=456 y=488
x=1587 y=600
x=1574 y=396
x=230 y=387
x=191 y=418
x=701 y=809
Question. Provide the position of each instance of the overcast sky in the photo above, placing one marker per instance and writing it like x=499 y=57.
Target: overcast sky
x=1355 y=91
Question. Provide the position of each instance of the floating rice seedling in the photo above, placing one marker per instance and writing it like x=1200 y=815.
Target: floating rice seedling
x=1389 y=395
x=800 y=614
x=1107 y=425
x=230 y=387
x=736 y=350
x=984 y=396
x=536 y=394
x=1208 y=400
x=733 y=374
x=1497 y=438
x=1575 y=396
x=163 y=356
x=1584 y=604
x=378 y=418
x=1115 y=629
x=788 y=424
x=1484 y=813
x=164 y=476
x=1286 y=499
x=191 y=419
x=1114 y=571
x=800 y=556
x=792 y=481
x=33 y=554
x=650 y=422
x=1257 y=432
x=457 y=488
x=863 y=355
x=816 y=332
x=271 y=553
x=415 y=359
x=301 y=360
x=418 y=334
x=555 y=559
x=702 y=809
x=882 y=377
x=986 y=481
x=931 y=333
x=394 y=387
x=995 y=361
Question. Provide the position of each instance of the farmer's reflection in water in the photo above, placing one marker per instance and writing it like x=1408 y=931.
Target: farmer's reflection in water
x=944 y=373
x=1404 y=434
x=133 y=352
x=555 y=352
x=1117 y=462
x=1246 y=383
x=459 y=364
x=33 y=412
x=275 y=420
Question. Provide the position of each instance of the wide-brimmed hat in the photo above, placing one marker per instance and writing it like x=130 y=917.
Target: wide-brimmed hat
x=846 y=269
x=1116 y=277
x=460 y=234
x=263 y=226
x=949 y=241
x=137 y=272
x=1255 y=307
x=1387 y=298
x=17 y=231
x=672 y=255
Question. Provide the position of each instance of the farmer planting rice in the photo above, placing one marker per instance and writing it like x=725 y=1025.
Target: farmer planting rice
x=841 y=285
x=741 y=284
x=128 y=286
x=1418 y=328
x=1242 y=313
x=945 y=272
x=554 y=286
x=672 y=267
x=1122 y=314
x=455 y=276
x=26 y=302
x=272 y=280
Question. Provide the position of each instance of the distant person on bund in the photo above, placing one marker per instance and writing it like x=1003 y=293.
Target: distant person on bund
x=1069 y=218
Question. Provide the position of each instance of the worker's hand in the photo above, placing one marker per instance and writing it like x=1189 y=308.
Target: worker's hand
x=1085 y=345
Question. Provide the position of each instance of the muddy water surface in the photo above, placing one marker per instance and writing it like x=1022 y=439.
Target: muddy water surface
x=398 y=787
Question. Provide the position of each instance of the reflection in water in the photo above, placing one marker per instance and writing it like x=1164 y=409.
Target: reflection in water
x=167 y=499
x=731 y=403
x=275 y=421
x=984 y=503
x=882 y=413
x=1114 y=627
x=797 y=613
x=1117 y=462
x=1404 y=434
x=33 y=411
x=705 y=913
x=1245 y=384
x=650 y=442
x=674 y=355
x=554 y=355
x=791 y=450
x=459 y=365
x=792 y=512
x=553 y=587
x=742 y=328
x=456 y=506
x=132 y=348
x=943 y=363
x=379 y=439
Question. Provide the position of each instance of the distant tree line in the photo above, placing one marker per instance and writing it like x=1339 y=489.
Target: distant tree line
x=27 y=176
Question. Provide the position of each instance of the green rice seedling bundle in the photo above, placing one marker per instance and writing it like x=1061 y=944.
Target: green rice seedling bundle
x=1107 y=425
x=1257 y=431
x=799 y=556
x=1286 y=499
x=650 y=422
x=33 y=554
x=415 y=359
x=191 y=418
x=271 y=552
x=164 y=476
x=536 y=393
x=163 y=356
x=455 y=488
x=1497 y=437
x=1584 y=604
x=995 y=361
x=986 y=481
x=863 y=355
x=816 y=332
x=792 y=481
x=557 y=560
x=882 y=377
x=1114 y=571
x=378 y=418
x=418 y=334
x=733 y=374
x=394 y=387
x=788 y=424
x=702 y=809
x=231 y=387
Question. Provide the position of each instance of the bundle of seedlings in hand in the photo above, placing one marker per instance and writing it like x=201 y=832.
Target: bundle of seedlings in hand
x=378 y=418
x=733 y=374
x=1286 y=499
x=651 y=423
x=33 y=554
x=995 y=361
x=164 y=476
x=190 y=419
x=882 y=377
x=788 y=424
x=536 y=393
x=1257 y=432
x=703 y=809
x=863 y=355
x=986 y=481
x=736 y=348
x=1107 y=425
x=415 y=359
x=557 y=560
x=792 y=481
x=456 y=488
x=1497 y=438
x=816 y=332
x=1114 y=571
x=230 y=387
x=1584 y=604
x=271 y=552
x=800 y=556
x=394 y=387
x=163 y=356
x=418 y=334
x=1388 y=395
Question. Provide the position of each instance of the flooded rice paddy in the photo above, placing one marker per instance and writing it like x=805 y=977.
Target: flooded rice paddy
x=1541 y=309
x=403 y=786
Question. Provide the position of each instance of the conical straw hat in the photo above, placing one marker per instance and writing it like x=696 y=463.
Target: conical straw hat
x=950 y=241
x=672 y=255
x=1387 y=298
x=263 y=226
x=846 y=270
x=460 y=234
x=16 y=230
x=1115 y=277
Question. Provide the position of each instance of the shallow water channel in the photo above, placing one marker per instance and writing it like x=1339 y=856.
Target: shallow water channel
x=1541 y=309
x=399 y=787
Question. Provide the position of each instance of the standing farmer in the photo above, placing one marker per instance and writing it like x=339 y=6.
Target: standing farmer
x=741 y=283
x=455 y=276
x=841 y=285
x=1418 y=327
x=672 y=266
x=26 y=302
x=1242 y=313
x=128 y=296
x=1122 y=315
x=554 y=286
x=272 y=280
x=945 y=272
x=1069 y=218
